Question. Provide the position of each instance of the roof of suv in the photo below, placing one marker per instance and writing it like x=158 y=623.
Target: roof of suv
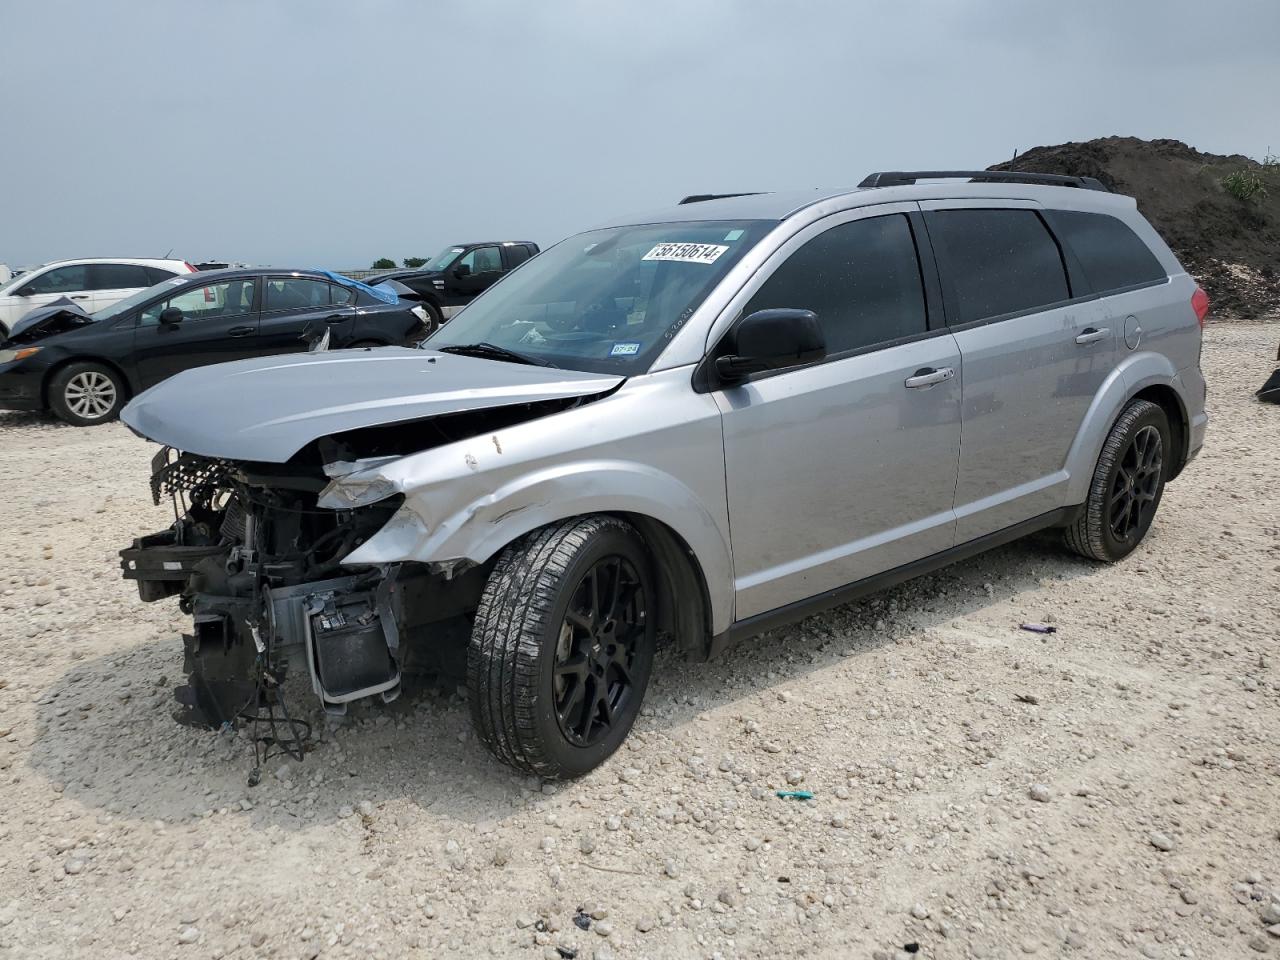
x=494 y=243
x=780 y=206
x=204 y=276
x=138 y=261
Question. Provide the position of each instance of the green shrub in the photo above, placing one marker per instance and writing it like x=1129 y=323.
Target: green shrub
x=1246 y=184
x=383 y=263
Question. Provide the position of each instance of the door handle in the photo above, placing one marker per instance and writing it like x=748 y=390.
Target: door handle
x=1092 y=335
x=79 y=296
x=336 y=318
x=242 y=331
x=928 y=377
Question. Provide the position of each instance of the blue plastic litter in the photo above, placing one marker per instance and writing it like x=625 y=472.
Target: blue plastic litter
x=795 y=794
x=380 y=292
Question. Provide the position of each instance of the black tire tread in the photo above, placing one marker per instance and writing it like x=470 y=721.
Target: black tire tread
x=507 y=637
x=1085 y=535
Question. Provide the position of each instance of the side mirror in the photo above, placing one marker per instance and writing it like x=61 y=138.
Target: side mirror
x=171 y=316
x=26 y=291
x=772 y=340
x=461 y=270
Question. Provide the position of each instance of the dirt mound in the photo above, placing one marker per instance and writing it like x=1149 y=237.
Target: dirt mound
x=1232 y=246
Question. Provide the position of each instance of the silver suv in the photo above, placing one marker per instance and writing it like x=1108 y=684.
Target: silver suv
x=697 y=423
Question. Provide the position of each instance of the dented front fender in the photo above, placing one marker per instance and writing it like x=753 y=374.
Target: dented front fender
x=467 y=500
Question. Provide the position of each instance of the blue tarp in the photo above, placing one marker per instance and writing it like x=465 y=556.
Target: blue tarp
x=380 y=292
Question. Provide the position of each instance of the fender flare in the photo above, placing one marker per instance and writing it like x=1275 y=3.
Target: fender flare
x=1129 y=377
x=477 y=530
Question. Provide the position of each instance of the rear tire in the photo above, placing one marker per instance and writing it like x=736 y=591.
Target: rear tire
x=562 y=646
x=86 y=394
x=1127 y=485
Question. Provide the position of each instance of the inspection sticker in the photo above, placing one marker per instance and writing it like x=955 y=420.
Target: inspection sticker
x=628 y=348
x=686 y=252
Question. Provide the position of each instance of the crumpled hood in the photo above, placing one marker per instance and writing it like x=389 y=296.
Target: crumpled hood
x=266 y=409
x=57 y=317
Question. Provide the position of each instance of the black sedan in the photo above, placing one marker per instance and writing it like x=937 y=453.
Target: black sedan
x=85 y=367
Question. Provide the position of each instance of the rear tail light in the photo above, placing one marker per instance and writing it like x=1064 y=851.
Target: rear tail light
x=1200 y=304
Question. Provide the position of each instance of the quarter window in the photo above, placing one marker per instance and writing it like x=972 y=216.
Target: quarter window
x=997 y=262
x=59 y=280
x=861 y=278
x=232 y=298
x=296 y=293
x=341 y=295
x=117 y=276
x=1110 y=252
x=158 y=274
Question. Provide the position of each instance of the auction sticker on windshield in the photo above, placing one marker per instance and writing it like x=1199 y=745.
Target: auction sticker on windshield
x=627 y=348
x=686 y=252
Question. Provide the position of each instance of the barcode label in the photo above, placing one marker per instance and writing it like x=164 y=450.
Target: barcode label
x=686 y=252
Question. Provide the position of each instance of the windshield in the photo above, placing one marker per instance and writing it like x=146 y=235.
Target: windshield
x=442 y=259
x=607 y=301
x=121 y=307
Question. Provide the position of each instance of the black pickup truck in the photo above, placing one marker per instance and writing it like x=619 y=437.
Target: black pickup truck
x=458 y=274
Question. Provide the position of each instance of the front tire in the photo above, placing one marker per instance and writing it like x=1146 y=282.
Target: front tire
x=1128 y=483
x=86 y=394
x=434 y=317
x=562 y=646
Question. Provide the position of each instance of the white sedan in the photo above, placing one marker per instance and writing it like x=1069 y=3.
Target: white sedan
x=92 y=284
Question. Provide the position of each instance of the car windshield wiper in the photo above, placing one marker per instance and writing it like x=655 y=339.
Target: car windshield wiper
x=492 y=351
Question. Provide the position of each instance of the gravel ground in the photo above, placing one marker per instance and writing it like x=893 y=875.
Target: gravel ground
x=1110 y=790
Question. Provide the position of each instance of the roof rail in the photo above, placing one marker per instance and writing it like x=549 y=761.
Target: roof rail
x=897 y=178
x=700 y=197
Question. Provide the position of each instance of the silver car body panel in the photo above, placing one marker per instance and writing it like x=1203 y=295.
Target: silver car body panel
x=268 y=408
x=858 y=476
x=830 y=429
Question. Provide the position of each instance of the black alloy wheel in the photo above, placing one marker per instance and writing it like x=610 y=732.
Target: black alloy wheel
x=562 y=645
x=596 y=650
x=1136 y=483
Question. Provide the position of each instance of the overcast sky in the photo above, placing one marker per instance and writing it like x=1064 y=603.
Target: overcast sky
x=329 y=133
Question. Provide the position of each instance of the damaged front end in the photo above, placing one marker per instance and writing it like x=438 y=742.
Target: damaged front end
x=285 y=474
x=256 y=564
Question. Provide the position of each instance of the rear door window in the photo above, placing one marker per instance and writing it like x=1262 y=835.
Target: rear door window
x=296 y=293
x=996 y=262
x=517 y=253
x=117 y=276
x=861 y=278
x=1111 y=254
x=341 y=295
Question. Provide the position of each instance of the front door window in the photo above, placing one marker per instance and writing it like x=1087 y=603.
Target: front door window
x=232 y=298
